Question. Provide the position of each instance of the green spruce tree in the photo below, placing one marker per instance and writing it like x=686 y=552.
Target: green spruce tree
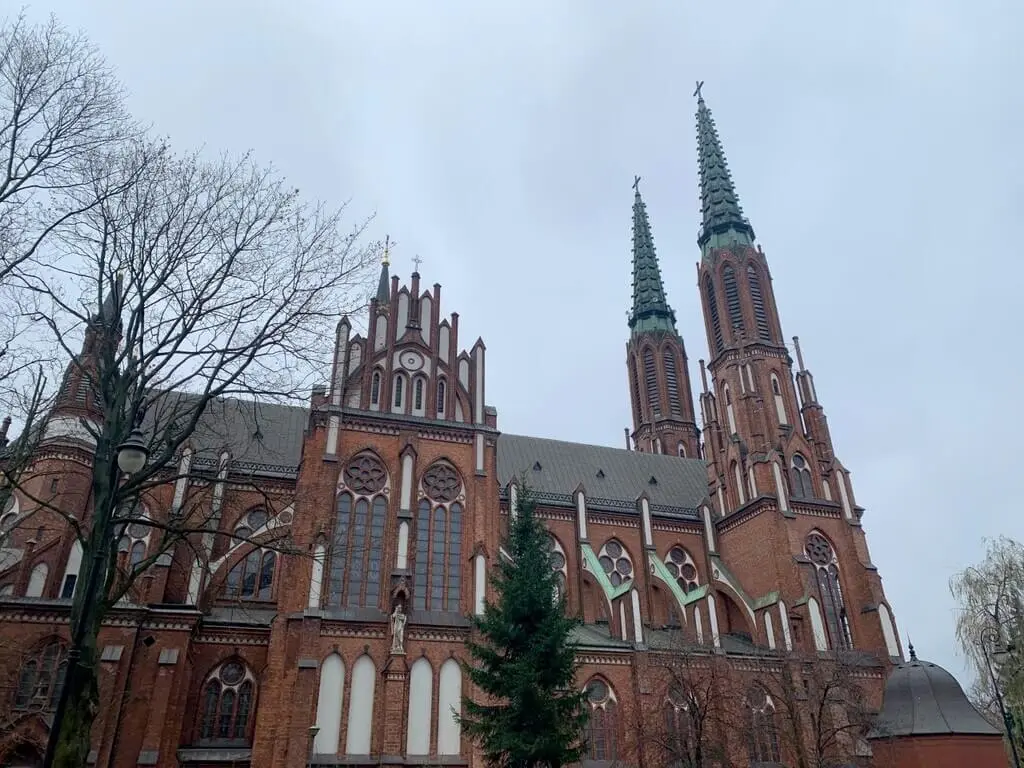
x=531 y=713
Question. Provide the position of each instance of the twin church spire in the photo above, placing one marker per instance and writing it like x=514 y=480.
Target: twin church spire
x=751 y=373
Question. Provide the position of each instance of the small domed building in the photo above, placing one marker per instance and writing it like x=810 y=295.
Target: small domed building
x=927 y=721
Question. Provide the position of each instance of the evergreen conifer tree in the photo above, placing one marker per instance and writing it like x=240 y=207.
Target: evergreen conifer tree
x=523 y=659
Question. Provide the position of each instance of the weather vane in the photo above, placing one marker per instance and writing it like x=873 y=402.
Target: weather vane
x=697 y=93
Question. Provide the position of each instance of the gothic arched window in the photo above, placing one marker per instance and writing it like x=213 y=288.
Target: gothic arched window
x=681 y=566
x=135 y=534
x=375 y=388
x=762 y=730
x=356 y=550
x=672 y=381
x=780 y=405
x=442 y=387
x=399 y=393
x=419 y=396
x=800 y=473
x=651 y=382
x=616 y=562
x=681 y=725
x=601 y=741
x=227 y=704
x=41 y=679
x=437 y=575
x=559 y=566
x=252 y=577
x=826 y=567
x=712 y=302
x=757 y=299
x=732 y=300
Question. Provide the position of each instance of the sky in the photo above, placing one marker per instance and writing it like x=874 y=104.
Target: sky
x=875 y=148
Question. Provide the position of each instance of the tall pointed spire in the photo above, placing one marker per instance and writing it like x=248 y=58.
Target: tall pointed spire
x=651 y=311
x=722 y=222
x=384 y=286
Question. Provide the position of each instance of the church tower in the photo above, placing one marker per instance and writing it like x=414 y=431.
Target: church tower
x=751 y=412
x=659 y=379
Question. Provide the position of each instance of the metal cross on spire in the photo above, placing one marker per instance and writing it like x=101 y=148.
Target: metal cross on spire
x=416 y=262
x=697 y=93
x=636 y=183
x=386 y=260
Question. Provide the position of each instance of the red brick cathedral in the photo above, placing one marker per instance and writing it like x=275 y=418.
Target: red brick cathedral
x=736 y=535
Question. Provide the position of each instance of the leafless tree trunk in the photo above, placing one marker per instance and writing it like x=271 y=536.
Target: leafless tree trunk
x=216 y=286
x=821 y=709
x=59 y=106
x=990 y=613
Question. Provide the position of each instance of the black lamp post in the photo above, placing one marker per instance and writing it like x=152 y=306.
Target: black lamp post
x=131 y=457
x=993 y=650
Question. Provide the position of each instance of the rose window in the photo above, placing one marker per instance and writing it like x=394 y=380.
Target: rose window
x=616 y=563
x=250 y=523
x=442 y=483
x=597 y=692
x=365 y=475
x=819 y=550
x=680 y=565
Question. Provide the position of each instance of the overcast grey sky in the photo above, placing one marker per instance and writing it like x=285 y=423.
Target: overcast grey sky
x=876 y=148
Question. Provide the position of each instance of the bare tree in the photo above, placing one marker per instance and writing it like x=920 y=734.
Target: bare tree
x=990 y=618
x=818 y=705
x=60 y=105
x=694 y=716
x=217 y=287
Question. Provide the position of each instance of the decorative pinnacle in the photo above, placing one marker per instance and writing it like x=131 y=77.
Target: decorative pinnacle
x=386 y=259
x=651 y=311
x=722 y=222
x=913 y=655
x=384 y=286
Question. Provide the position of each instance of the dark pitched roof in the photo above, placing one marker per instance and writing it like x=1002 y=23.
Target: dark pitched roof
x=262 y=438
x=612 y=477
x=923 y=699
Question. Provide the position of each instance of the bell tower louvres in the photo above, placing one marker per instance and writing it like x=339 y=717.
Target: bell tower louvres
x=659 y=379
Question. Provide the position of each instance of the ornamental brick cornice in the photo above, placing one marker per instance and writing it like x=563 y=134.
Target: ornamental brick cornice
x=606 y=659
x=342 y=630
x=231 y=639
x=446 y=635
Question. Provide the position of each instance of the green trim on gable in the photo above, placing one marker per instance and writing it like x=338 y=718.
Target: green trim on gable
x=602 y=577
x=683 y=598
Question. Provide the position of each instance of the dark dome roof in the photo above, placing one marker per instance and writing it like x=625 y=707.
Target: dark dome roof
x=923 y=699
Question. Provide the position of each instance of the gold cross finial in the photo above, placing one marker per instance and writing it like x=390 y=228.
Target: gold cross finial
x=387 y=251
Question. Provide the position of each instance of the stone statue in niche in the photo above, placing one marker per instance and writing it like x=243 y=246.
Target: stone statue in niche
x=398 y=629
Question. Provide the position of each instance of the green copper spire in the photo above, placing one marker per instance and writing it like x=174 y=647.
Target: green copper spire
x=723 y=221
x=651 y=311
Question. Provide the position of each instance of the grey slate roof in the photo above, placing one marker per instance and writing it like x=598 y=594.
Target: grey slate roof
x=611 y=477
x=264 y=438
x=923 y=699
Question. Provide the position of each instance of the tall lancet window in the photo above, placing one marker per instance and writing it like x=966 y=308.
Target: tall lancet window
x=732 y=300
x=356 y=551
x=651 y=382
x=716 y=323
x=826 y=567
x=757 y=299
x=437 y=571
x=672 y=382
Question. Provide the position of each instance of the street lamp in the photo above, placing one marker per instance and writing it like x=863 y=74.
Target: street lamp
x=994 y=650
x=132 y=455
